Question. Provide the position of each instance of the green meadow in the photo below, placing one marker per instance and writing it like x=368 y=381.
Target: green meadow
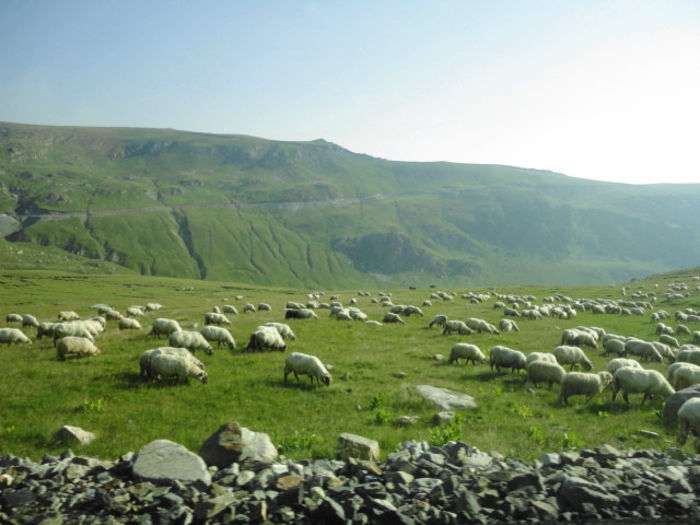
x=375 y=370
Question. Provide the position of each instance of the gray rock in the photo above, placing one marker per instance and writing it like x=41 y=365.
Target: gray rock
x=352 y=445
x=71 y=434
x=444 y=398
x=443 y=417
x=234 y=443
x=577 y=492
x=163 y=460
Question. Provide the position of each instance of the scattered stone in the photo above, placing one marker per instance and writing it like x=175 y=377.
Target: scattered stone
x=649 y=434
x=443 y=417
x=352 y=445
x=445 y=398
x=70 y=434
x=164 y=460
x=234 y=443
x=406 y=420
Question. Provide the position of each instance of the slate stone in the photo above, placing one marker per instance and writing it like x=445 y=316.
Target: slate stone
x=234 y=443
x=71 y=434
x=444 y=398
x=164 y=460
x=577 y=492
x=352 y=445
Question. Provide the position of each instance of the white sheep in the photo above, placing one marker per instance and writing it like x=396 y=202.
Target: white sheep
x=669 y=340
x=230 y=309
x=508 y=325
x=219 y=335
x=689 y=421
x=45 y=328
x=76 y=346
x=264 y=307
x=266 y=338
x=683 y=375
x=504 y=357
x=441 y=319
x=689 y=355
x=166 y=365
x=301 y=313
x=13 y=318
x=572 y=355
x=481 y=325
x=146 y=356
x=644 y=349
x=662 y=328
x=284 y=330
x=391 y=317
x=214 y=318
x=542 y=356
x=304 y=364
x=466 y=351
x=13 y=335
x=127 y=323
x=135 y=311
x=583 y=384
x=682 y=329
x=579 y=337
x=29 y=320
x=637 y=381
x=68 y=316
x=72 y=329
x=249 y=307
x=152 y=307
x=190 y=340
x=412 y=309
x=540 y=371
x=455 y=325
x=617 y=363
x=614 y=346
x=164 y=326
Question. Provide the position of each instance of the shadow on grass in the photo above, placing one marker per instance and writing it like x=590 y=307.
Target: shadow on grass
x=302 y=384
x=131 y=380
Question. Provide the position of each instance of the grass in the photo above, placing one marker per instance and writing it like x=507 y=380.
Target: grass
x=375 y=370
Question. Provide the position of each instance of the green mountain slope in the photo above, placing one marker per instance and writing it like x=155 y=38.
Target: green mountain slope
x=225 y=207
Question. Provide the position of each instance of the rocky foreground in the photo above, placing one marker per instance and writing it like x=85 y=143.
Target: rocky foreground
x=418 y=483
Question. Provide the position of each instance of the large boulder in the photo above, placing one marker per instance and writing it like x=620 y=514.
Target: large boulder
x=352 y=445
x=70 y=434
x=164 y=461
x=675 y=401
x=233 y=443
x=444 y=398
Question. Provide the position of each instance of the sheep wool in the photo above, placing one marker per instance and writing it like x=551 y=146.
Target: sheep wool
x=13 y=336
x=689 y=420
x=504 y=357
x=164 y=326
x=539 y=371
x=304 y=364
x=190 y=340
x=572 y=355
x=219 y=335
x=638 y=381
x=266 y=338
x=583 y=384
x=467 y=352
x=75 y=346
x=167 y=365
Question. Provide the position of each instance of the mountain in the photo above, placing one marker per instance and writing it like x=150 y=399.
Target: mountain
x=312 y=214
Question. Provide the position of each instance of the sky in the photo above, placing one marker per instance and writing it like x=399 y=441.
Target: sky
x=605 y=90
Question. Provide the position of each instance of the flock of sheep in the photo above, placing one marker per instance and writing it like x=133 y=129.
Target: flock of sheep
x=75 y=337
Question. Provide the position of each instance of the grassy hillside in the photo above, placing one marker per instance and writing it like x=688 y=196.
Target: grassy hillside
x=375 y=370
x=305 y=214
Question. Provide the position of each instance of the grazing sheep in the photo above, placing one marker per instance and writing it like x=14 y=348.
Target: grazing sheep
x=301 y=313
x=539 y=371
x=266 y=338
x=74 y=329
x=542 y=356
x=356 y=314
x=573 y=336
x=216 y=309
x=665 y=350
x=219 y=335
x=683 y=375
x=682 y=329
x=214 y=318
x=13 y=318
x=45 y=328
x=190 y=340
x=504 y=357
x=13 y=335
x=454 y=325
x=230 y=309
x=508 y=325
x=689 y=421
x=466 y=351
x=304 y=364
x=152 y=307
x=75 y=346
x=391 y=317
x=68 y=316
x=111 y=314
x=411 y=309
x=614 y=346
x=135 y=311
x=164 y=326
x=292 y=305
x=284 y=330
x=644 y=349
x=662 y=328
x=619 y=362
x=637 y=381
x=689 y=355
x=572 y=355
x=583 y=384
x=441 y=319
x=29 y=320
x=249 y=307
x=669 y=340
x=166 y=365
x=264 y=307
x=481 y=326
x=145 y=358
x=127 y=323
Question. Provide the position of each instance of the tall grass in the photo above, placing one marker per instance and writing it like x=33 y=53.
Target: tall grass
x=375 y=371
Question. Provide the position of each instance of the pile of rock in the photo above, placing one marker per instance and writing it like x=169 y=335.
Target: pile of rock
x=418 y=483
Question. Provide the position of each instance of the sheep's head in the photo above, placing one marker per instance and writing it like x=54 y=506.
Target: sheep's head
x=587 y=365
x=326 y=379
x=606 y=379
x=209 y=350
x=202 y=376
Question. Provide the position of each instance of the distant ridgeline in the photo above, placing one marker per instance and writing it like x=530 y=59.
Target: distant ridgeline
x=310 y=214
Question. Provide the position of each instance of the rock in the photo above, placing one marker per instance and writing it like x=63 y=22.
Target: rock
x=234 y=443
x=438 y=357
x=649 y=434
x=163 y=460
x=674 y=401
x=71 y=434
x=577 y=492
x=444 y=398
x=352 y=445
x=443 y=417
x=406 y=420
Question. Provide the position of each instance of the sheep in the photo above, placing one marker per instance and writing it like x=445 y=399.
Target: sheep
x=662 y=328
x=284 y=330
x=539 y=371
x=619 y=362
x=13 y=318
x=266 y=337
x=190 y=340
x=689 y=421
x=152 y=307
x=356 y=314
x=481 y=326
x=411 y=309
x=164 y=326
x=216 y=309
x=127 y=323
x=684 y=375
x=135 y=311
x=77 y=346
x=503 y=357
x=214 y=318
x=572 y=355
x=219 y=335
x=249 y=307
x=390 y=317
x=264 y=307
x=72 y=328
x=45 y=328
x=304 y=364
x=146 y=356
x=616 y=346
x=441 y=319
x=112 y=315
x=13 y=335
x=669 y=340
x=292 y=305
x=574 y=336
x=466 y=351
x=637 y=381
x=302 y=313
x=508 y=325
x=582 y=383
x=68 y=316
x=541 y=356
x=230 y=309
x=644 y=349
x=689 y=355
x=372 y=322
x=682 y=329
x=455 y=325
x=166 y=365
x=29 y=320
x=665 y=351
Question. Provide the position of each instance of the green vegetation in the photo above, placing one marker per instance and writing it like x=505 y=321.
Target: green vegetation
x=375 y=370
x=311 y=214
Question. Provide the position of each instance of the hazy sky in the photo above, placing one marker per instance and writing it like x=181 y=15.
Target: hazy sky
x=605 y=90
